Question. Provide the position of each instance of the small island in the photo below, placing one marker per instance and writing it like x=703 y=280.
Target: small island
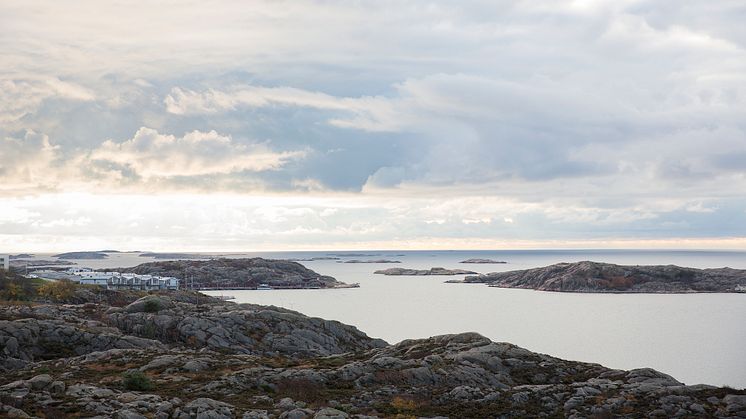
x=596 y=277
x=354 y=255
x=370 y=261
x=422 y=272
x=478 y=260
x=156 y=255
x=82 y=255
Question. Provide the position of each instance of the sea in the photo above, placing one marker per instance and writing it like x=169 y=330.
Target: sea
x=696 y=338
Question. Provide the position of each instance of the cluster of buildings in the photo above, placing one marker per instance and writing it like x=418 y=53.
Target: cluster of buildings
x=112 y=280
x=108 y=279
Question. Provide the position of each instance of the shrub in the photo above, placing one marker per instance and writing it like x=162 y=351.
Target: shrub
x=151 y=306
x=137 y=381
x=14 y=287
x=300 y=389
x=61 y=290
x=401 y=403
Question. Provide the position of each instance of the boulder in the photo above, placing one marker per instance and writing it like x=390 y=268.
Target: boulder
x=330 y=413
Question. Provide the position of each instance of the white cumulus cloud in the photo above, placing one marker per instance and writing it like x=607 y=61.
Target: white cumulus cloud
x=152 y=154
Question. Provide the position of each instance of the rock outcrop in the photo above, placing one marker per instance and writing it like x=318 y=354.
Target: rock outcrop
x=237 y=328
x=46 y=332
x=182 y=355
x=227 y=273
x=605 y=277
x=422 y=272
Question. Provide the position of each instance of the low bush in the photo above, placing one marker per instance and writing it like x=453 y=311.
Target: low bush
x=62 y=290
x=137 y=381
x=152 y=306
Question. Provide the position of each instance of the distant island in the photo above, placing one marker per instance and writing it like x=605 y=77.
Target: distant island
x=609 y=278
x=357 y=255
x=237 y=273
x=21 y=256
x=477 y=260
x=156 y=255
x=371 y=261
x=312 y=259
x=82 y=255
x=422 y=272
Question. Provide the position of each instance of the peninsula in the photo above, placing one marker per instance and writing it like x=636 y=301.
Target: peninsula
x=609 y=278
x=225 y=273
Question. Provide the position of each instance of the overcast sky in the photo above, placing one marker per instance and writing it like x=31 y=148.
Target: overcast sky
x=235 y=125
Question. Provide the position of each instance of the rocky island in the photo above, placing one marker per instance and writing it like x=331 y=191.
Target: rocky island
x=371 y=261
x=76 y=351
x=156 y=255
x=606 y=277
x=313 y=259
x=227 y=273
x=422 y=272
x=478 y=260
x=82 y=255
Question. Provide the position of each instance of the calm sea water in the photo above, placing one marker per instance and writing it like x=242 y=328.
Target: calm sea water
x=697 y=338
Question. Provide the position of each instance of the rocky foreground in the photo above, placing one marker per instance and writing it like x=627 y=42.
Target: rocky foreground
x=237 y=273
x=185 y=355
x=606 y=277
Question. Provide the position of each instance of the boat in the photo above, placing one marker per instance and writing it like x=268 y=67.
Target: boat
x=226 y=297
x=264 y=287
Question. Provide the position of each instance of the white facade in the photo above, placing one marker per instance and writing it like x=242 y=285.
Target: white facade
x=113 y=280
x=5 y=262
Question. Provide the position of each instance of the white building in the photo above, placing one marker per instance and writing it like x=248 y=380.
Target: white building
x=5 y=262
x=113 y=280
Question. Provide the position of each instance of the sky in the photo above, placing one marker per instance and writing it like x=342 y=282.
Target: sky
x=221 y=125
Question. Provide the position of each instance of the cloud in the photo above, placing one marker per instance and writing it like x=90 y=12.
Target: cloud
x=150 y=154
x=195 y=161
x=571 y=119
x=184 y=101
x=20 y=98
x=25 y=163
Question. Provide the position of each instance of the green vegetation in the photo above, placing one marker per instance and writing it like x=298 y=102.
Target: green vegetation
x=137 y=381
x=152 y=306
x=14 y=287
x=61 y=290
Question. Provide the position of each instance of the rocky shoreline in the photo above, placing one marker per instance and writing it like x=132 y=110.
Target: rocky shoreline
x=185 y=355
x=596 y=277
